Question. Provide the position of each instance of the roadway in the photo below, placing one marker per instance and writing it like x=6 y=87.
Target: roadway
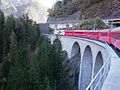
x=112 y=81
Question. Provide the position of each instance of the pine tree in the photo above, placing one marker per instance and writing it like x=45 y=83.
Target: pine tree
x=20 y=39
x=2 y=20
x=13 y=41
x=47 y=83
x=18 y=75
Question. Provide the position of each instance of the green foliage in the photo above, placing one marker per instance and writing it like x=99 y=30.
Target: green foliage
x=13 y=41
x=2 y=20
x=88 y=24
x=18 y=75
x=28 y=60
x=57 y=44
x=100 y=24
x=52 y=61
x=50 y=12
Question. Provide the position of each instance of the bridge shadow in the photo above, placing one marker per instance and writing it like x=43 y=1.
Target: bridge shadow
x=75 y=64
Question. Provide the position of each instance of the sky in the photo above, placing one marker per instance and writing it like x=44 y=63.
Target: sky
x=38 y=15
x=46 y=3
x=12 y=1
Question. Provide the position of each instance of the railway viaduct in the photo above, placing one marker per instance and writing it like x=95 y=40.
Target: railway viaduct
x=94 y=58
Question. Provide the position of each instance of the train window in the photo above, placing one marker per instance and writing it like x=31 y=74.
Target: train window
x=67 y=26
x=92 y=33
x=116 y=35
x=82 y=32
x=103 y=34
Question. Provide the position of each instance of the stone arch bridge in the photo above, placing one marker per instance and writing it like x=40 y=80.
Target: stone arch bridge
x=94 y=57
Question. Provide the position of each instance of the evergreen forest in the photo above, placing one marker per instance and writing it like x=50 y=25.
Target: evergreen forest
x=27 y=60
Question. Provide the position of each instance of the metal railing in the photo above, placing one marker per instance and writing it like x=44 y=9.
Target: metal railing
x=98 y=80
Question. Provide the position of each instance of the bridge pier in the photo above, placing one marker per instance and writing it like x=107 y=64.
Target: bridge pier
x=86 y=68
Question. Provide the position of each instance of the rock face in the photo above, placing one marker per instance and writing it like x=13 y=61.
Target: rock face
x=103 y=9
x=31 y=7
x=7 y=7
x=63 y=8
x=88 y=8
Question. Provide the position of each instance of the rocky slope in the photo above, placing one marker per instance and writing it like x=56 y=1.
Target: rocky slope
x=103 y=9
x=88 y=8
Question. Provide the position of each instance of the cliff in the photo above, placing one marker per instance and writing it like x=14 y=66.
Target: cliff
x=88 y=8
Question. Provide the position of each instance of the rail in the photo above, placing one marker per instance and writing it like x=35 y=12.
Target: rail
x=98 y=80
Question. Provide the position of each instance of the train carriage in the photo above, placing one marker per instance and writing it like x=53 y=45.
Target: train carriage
x=106 y=35
x=93 y=34
x=115 y=37
x=81 y=33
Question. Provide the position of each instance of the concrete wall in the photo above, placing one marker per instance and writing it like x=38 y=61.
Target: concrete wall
x=61 y=25
x=44 y=28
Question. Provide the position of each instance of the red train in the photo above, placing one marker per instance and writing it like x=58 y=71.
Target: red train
x=111 y=36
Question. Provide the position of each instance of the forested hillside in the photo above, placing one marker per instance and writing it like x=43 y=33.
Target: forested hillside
x=88 y=8
x=27 y=60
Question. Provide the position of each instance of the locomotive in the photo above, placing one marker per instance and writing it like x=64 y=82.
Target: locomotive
x=111 y=36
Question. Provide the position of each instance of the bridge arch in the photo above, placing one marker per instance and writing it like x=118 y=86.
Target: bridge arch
x=86 y=70
x=75 y=60
x=98 y=63
x=57 y=44
x=75 y=50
